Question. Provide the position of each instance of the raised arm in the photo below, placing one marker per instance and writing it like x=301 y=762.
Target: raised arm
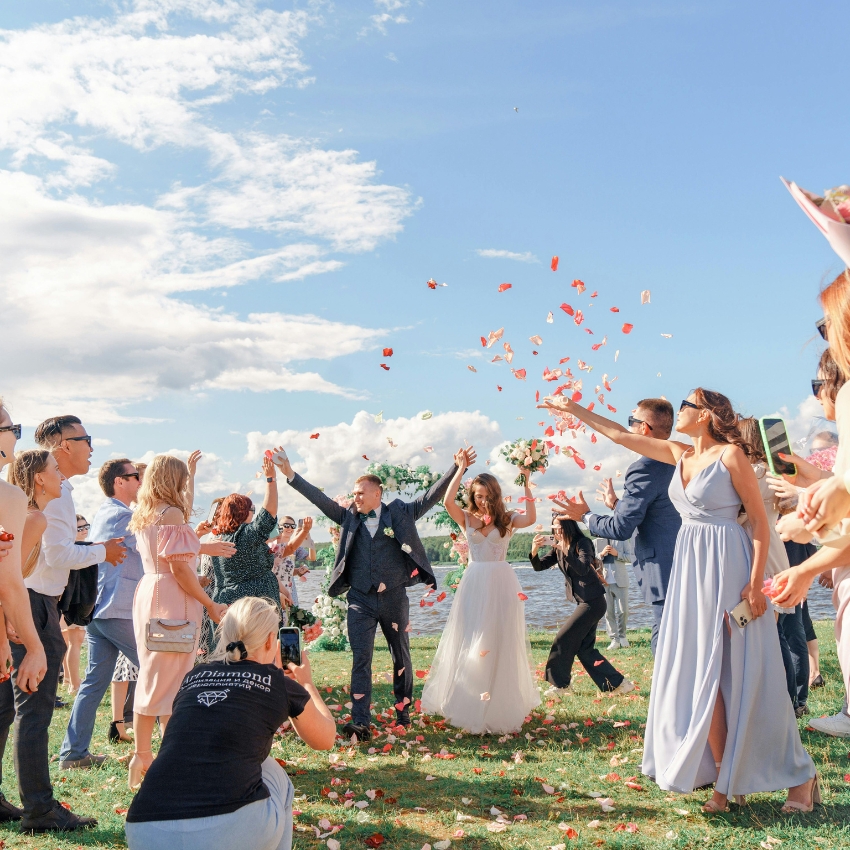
x=422 y=504
x=192 y=464
x=331 y=509
x=530 y=515
x=270 y=473
x=666 y=451
x=299 y=537
x=453 y=509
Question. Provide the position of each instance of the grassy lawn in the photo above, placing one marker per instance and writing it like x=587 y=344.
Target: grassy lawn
x=540 y=780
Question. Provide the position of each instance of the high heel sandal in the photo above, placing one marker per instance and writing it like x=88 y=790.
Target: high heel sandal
x=791 y=807
x=137 y=770
x=712 y=808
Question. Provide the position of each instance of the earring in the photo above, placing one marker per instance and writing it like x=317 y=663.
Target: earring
x=2 y=453
x=43 y=491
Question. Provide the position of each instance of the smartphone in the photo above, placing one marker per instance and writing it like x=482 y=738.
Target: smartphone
x=548 y=539
x=775 y=438
x=290 y=645
x=300 y=523
x=211 y=515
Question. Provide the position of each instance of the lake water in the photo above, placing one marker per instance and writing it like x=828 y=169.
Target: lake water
x=546 y=608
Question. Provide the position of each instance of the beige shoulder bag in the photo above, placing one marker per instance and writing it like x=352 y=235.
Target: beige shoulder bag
x=170 y=635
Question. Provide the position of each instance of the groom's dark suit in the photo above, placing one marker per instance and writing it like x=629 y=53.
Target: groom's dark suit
x=376 y=569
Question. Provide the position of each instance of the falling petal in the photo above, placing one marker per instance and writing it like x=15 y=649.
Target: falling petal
x=579 y=286
x=432 y=284
x=627 y=328
x=485 y=696
x=519 y=374
x=504 y=286
x=428 y=448
x=388 y=352
x=521 y=596
x=554 y=265
x=616 y=355
x=567 y=309
x=549 y=317
x=392 y=444
x=379 y=417
x=615 y=309
x=483 y=652
x=384 y=366
x=364 y=457
x=472 y=368
x=536 y=340
x=579 y=317
x=494 y=336
x=426 y=415
x=314 y=436
x=644 y=297
x=667 y=336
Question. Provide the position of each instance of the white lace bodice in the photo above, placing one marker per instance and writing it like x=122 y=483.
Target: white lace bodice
x=487 y=547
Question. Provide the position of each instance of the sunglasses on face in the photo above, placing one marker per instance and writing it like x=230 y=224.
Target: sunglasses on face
x=87 y=439
x=820 y=324
x=817 y=386
x=633 y=422
x=15 y=429
x=85 y=527
x=288 y=525
x=127 y=475
x=685 y=403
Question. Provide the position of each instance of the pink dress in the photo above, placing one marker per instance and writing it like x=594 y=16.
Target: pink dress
x=161 y=673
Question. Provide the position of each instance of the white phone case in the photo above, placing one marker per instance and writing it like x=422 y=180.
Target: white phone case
x=742 y=613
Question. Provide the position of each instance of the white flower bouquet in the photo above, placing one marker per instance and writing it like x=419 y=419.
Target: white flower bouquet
x=530 y=454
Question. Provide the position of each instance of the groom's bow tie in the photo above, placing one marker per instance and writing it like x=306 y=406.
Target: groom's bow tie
x=364 y=517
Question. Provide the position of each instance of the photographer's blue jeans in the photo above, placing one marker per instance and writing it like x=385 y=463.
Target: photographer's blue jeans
x=264 y=825
x=104 y=640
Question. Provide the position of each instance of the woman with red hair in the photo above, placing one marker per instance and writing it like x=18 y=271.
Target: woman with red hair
x=248 y=572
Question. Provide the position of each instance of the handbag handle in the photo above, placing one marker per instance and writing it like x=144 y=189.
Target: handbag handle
x=156 y=571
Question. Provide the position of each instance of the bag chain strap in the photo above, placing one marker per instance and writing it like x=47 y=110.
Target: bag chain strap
x=156 y=570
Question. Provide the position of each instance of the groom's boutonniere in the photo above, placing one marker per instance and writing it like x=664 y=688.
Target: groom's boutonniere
x=405 y=547
x=389 y=532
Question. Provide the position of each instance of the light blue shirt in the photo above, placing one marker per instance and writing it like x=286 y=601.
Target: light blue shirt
x=116 y=586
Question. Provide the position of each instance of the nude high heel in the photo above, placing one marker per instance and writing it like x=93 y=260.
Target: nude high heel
x=137 y=770
x=791 y=807
x=712 y=808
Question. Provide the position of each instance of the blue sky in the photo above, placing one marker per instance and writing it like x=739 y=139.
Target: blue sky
x=187 y=180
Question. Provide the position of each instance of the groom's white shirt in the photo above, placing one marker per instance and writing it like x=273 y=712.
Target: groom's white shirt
x=371 y=523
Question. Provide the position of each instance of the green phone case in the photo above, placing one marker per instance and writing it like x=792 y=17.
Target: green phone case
x=766 y=441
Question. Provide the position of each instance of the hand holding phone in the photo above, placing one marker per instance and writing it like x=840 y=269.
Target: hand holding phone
x=774 y=435
x=290 y=645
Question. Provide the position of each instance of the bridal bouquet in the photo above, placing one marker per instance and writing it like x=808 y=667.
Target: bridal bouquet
x=530 y=454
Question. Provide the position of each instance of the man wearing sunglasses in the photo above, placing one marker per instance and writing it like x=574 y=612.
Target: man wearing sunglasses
x=67 y=440
x=645 y=507
x=111 y=628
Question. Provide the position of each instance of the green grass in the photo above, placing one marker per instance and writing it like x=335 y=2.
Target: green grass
x=573 y=768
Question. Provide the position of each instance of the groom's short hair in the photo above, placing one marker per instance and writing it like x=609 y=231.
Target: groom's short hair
x=661 y=412
x=372 y=479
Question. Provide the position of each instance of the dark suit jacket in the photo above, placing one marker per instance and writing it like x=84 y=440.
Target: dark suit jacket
x=398 y=515
x=577 y=565
x=645 y=506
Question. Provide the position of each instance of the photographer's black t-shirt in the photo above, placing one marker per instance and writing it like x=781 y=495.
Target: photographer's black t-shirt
x=210 y=762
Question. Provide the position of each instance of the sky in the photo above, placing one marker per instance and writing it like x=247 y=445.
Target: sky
x=216 y=214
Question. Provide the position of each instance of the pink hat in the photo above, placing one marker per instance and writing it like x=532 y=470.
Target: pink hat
x=830 y=214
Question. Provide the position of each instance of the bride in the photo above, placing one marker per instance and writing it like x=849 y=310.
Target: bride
x=481 y=679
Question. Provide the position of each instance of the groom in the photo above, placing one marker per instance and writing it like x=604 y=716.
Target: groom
x=378 y=557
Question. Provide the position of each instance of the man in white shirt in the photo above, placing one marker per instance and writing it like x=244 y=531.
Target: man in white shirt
x=69 y=443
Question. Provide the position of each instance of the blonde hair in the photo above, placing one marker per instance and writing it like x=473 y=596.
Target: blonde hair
x=165 y=483
x=22 y=472
x=835 y=300
x=249 y=620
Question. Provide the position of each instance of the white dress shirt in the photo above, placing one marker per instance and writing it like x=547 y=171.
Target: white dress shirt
x=59 y=555
x=373 y=521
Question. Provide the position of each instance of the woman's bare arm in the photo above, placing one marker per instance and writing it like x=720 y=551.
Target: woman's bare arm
x=666 y=451
x=530 y=515
x=453 y=509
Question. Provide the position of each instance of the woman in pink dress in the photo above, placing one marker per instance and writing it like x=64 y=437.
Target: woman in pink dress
x=169 y=590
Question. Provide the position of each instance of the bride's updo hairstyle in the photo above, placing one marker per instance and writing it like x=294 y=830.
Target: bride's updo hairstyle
x=495 y=501
x=244 y=629
x=835 y=300
x=723 y=421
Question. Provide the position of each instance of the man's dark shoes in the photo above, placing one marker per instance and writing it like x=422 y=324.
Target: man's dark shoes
x=362 y=733
x=58 y=819
x=402 y=718
x=8 y=811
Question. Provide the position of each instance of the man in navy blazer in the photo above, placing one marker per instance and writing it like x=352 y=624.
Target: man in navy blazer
x=645 y=507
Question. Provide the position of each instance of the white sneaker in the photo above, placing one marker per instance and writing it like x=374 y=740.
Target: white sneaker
x=624 y=687
x=557 y=693
x=615 y=644
x=838 y=725
x=624 y=643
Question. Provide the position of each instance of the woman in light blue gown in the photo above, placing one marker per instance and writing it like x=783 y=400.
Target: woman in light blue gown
x=718 y=710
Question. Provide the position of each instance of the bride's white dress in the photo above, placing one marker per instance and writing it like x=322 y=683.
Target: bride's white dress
x=481 y=679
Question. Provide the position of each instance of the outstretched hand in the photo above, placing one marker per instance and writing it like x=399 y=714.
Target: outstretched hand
x=464 y=458
x=559 y=404
x=572 y=510
x=192 y=463
x=282 y=461
x=605 y=493
x=269 y=469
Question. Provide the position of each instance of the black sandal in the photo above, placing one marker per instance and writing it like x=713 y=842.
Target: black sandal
x=817 y=682
x=114 y=734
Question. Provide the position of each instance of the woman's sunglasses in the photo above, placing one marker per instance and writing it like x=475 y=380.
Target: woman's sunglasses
x=15 y=429
x=817 y=386
x=687 y=403
x=288 y=525
x=820 y=324
x=85 y=527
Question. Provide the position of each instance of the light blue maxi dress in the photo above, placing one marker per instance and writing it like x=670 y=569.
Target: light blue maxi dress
x=696 y=655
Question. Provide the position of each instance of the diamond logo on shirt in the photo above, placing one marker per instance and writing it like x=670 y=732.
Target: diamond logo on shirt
x=209 y=698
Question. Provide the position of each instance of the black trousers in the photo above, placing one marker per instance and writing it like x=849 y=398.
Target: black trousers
x=366 y=611
x=32 y=713
x=577 y=639
x=792 y=638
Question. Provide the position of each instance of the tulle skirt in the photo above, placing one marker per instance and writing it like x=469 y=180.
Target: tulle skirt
x=481 y=679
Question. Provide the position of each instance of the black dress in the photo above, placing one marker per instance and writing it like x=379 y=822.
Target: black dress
x=577 y=637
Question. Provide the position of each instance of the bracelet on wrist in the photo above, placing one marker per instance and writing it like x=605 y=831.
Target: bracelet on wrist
x=269 y=480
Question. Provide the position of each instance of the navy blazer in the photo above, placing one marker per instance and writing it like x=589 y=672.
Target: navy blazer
x=397 y=515
x=645 y=506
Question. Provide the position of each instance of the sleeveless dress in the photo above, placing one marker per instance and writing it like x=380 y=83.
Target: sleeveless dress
x=161 y=673
x=481 y=679
x=696 y=655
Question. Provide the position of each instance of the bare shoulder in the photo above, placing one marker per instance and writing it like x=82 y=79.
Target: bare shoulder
x=173 y=516
x=36 y=522
x=11 y=496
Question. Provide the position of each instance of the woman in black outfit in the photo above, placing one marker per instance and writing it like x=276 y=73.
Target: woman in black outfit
x=574 y=556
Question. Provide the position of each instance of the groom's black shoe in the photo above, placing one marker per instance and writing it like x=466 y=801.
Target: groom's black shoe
x=402 y=718
x=362 y=733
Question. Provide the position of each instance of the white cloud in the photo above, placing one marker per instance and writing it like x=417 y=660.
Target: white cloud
x=95 y=282
x=496 y=253
x=391 y=15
